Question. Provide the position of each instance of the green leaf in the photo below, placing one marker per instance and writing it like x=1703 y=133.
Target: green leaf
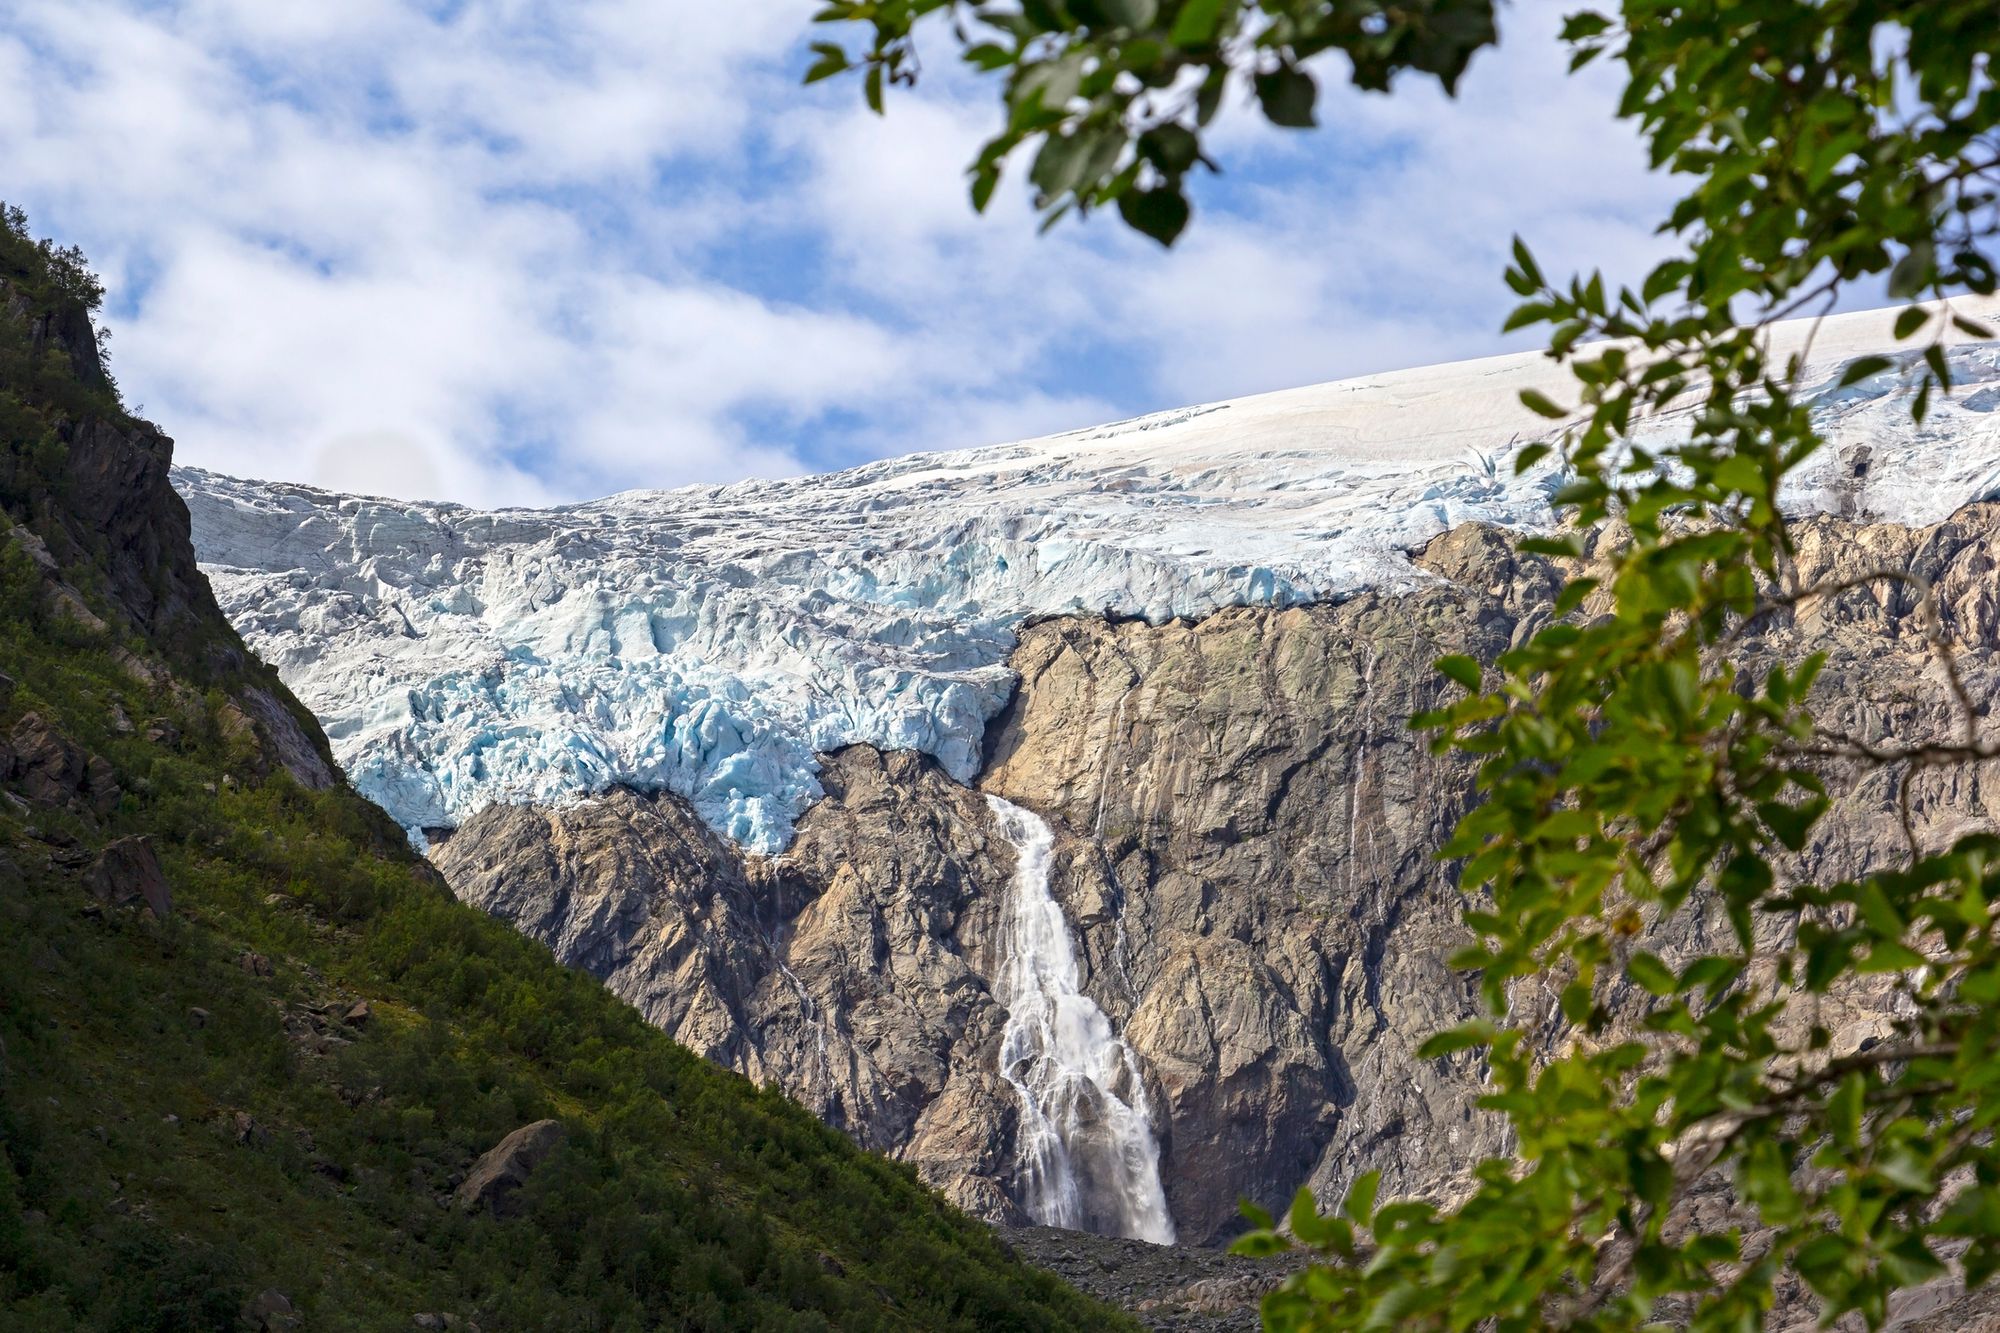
x=1525 y=262
x=1171 y=147
x=1914 y=271
x=1890 y=956
x=1862 y=367
x=832 y=60
x=1195 y=25
x=1582 y=25
x=1650 y=974
x=1138 y=14
x=1465 y=1036
x=1541 y=404
x=1791 y=824
x=1460 y=668
x=1287 y=95
x=1913 y=318
x=1161 y=212
x=1259 y=1244
x=1844 y=1110
x=988 y=56
x=1360 y=1204
x=1572 y=595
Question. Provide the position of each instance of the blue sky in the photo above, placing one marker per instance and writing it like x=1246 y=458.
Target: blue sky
x=501 y=251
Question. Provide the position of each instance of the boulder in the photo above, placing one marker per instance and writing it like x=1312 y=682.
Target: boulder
x=357 y=1014
x=127 y=872
x=270 y=1309
x=100 y=786
x=498 y=1175
x=49 y=769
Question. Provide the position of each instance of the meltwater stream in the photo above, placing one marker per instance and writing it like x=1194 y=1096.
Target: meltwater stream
x=1085 y=1156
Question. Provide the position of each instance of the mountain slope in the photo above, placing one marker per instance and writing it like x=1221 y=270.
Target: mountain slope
x=250 y=1047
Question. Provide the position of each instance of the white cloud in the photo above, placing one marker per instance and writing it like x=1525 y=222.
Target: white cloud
x=530 y=250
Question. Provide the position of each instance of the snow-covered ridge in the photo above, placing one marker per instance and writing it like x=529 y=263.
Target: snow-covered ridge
x=713 y=640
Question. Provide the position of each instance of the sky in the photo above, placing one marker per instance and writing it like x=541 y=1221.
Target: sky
x=536 y=251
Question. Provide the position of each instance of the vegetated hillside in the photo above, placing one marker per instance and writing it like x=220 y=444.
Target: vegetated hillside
x=258 y=1106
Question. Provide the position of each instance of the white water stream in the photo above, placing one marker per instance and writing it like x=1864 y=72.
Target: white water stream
x=1085 y=1156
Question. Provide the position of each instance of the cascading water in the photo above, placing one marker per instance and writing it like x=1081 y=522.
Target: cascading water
x=1085 y=1156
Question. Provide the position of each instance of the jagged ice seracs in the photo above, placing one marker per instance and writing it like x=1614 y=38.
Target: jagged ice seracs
x=714 y=640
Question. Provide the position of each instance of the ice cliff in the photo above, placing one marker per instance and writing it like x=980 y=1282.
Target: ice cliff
x=713 y=641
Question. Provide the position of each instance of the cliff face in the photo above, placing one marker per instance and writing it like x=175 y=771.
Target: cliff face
x=1245 y=831
x=1244 y=828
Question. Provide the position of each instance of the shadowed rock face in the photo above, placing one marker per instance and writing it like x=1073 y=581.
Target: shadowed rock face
x=1245 y=836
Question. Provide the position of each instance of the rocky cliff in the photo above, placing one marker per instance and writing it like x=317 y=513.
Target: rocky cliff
x=1244 y=836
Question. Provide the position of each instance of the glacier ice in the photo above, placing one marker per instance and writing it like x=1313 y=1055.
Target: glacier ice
x=713 y=640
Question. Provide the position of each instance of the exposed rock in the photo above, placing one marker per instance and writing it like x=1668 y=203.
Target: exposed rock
x=270 y=1309
x=100 y=786
x=1246 y=830
x=198 y=1017
x=49 y=769
x=1169 y=1288
x=498 y=1175
x=288 y=743
x=256 y=964
x=244 y=1129
x=127 y=871
x=853 y=971
x=357 y=1014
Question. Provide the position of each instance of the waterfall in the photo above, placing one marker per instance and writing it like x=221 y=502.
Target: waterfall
x=1085 y=1156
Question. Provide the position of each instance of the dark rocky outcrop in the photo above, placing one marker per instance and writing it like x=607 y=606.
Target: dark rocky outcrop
x=1246 y=835
x=127 y=873
x=47 y=769
x=495 y=1178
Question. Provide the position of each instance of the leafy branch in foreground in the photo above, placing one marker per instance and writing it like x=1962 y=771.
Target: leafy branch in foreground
x=1115 y=95
x=1637 y=782
x=1642 y=790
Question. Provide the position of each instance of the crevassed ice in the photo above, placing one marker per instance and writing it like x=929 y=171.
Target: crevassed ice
x=713 y=640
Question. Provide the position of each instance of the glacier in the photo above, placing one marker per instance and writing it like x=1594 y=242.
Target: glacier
x=712 y=641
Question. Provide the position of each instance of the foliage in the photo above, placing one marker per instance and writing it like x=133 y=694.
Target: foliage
x=1115 y=94
x=159 y=1166
x=1633 y=779
x=47 y=295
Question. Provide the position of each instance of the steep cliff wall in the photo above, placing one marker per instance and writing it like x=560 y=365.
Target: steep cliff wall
x=1245 y=837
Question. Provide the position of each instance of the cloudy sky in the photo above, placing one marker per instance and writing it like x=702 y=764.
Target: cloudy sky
x=521 y=251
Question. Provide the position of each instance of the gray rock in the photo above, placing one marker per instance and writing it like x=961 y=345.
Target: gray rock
x=499 y=1174
x=128 y=872
x=1246 y=830
x=100 y=786
x=270 y=1309
x=48 y=769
